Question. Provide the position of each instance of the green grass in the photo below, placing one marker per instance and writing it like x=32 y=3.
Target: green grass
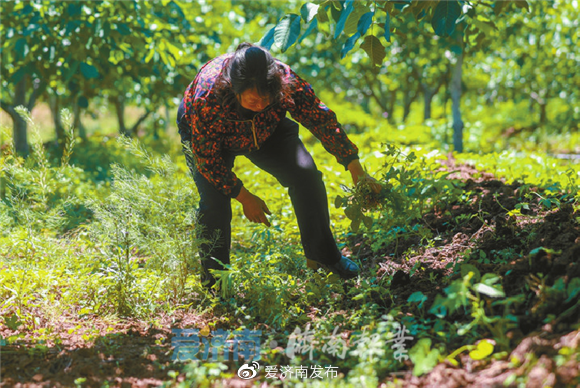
x=102 y=235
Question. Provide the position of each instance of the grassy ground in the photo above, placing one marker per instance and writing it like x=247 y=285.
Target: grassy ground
x=475 y=254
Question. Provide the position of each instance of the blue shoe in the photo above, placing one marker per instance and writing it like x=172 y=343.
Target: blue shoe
x=345 y=268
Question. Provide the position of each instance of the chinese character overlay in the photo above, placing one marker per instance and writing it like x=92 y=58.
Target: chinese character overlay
x=399 y=342
x=221 y=344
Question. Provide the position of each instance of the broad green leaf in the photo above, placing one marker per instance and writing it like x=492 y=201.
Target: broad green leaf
x=424 y=358
x=322 y=16
x=388 y=28
x=374 y=49
x=484 y=349
x=21 y=48
x=522 y=4
x=350 y=27
x=150 y=54
x=123 y=29
x=13 y=322
x=355 y=225
x=17 y=76
x=348 y=7
x=311 y=27
x=349 y=44
x=488 y=290
x=466 y=268
x=74 y=9
x=287 y=31
x=444 y=17
x=439 y=307
x=364 y=23
x=486 y=26
x=418 y=297
x=308 y=12
x=89 y=71
x=498 y=6
x=338 y=202
x=367 y=221
x=267 y=40
x=573 y=289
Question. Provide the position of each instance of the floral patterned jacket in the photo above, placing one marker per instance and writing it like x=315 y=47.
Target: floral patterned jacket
x=217 y=128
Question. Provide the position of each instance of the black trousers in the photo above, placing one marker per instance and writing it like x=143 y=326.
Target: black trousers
x=284 y=156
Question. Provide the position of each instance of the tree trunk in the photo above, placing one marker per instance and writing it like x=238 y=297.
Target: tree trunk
x=543 y=113
x=143 y=117
x=77 y=121
x=456 y=99
x=391 y=106
x=377 y=97
x=408 y=100
x=54 y=103
x=167 y=118
x=428 y=99
x=19 y=126
x=120 y=109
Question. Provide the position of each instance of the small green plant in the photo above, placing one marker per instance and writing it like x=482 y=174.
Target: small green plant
x=410 y=187
x=146 y=223
x=466 y=294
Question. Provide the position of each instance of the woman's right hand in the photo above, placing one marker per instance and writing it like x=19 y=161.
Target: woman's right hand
x=255 y=209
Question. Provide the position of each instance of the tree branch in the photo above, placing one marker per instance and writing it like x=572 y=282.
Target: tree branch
x=141 y=119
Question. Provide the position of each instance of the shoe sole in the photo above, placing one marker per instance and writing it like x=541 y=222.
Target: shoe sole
x=313 y=265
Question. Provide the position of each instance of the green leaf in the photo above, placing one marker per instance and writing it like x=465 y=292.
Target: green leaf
x=308 y=12
x=74 y=9
x=17 y=76
x=388 y=28
x=287 y=31
x=89 y=71
x=522 y=4
x=444 y=17
x=343 y=17
x=311 y=27
x=488 y=290
x=573 y=289
x=13 y=322
x=349 y=44
x=351 y=25
x=424 y=358
x=367 y=221
x=83 y=102
x=548 y=251
x=116 y=56
x=364 y=23
x=322 y=16
x=355 y=225
x=21 y=48
x=374 y=49
x=467 y=268
x=123 y=29
x=418 y=297
x=73 y=67
x=484 y=349
x=498 y=6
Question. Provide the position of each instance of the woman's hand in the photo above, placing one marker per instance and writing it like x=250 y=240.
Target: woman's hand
x=358 y=173
x=255 y=209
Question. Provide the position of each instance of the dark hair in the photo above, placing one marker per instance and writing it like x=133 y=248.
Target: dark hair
x=251 y=67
